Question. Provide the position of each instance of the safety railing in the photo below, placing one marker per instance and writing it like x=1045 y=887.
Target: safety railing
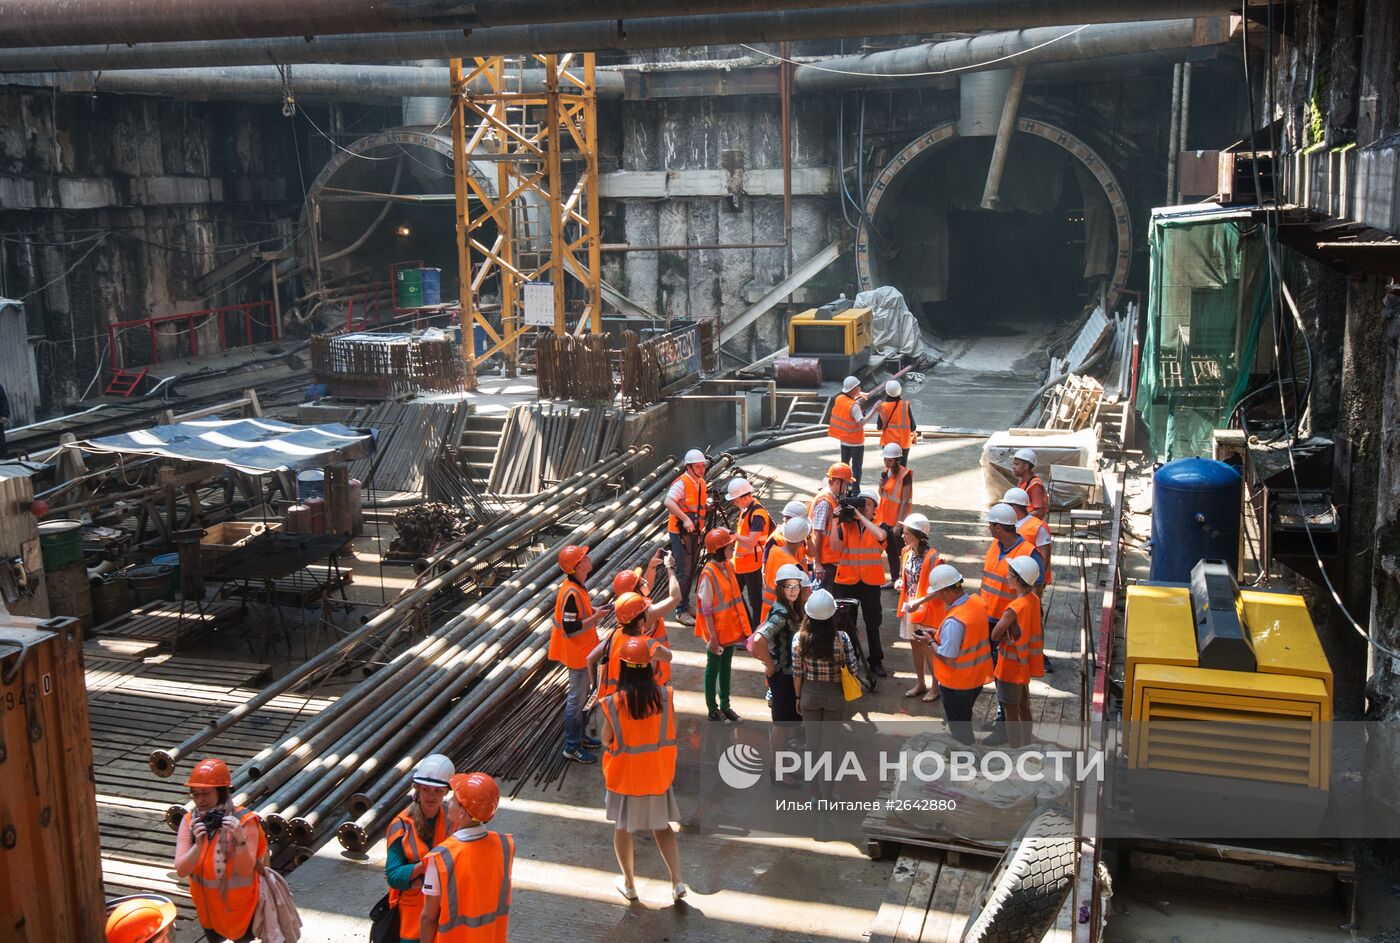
x=241 y=325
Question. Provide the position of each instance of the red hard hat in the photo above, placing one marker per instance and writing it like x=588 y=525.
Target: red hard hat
x=636 y=651
x=629 y=606
x=570 y=556
x=840 y=470
x=626 y=582
x=139 y=919
x=717 y=538
x=477 y=793
x=210 y=773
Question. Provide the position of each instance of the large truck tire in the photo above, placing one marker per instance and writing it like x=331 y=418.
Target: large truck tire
x=1021 y=897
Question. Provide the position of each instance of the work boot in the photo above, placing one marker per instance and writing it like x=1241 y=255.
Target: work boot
x=729 y=714
x=580 y=755
x=715 y=715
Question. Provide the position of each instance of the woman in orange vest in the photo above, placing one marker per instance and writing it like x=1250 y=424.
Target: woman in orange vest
x=634 y=620
x=896 y=421
x=847 y=425
x=223 y=857
x=917 y=561
x=413 y=833
x=896 y=503
x=750 y=535
x=792 y=551
x=639 y=766
x=723 y=621
x=467 y=886
x=860 y=575
x=574 y=635
x=1014 y=633
x=963 y=656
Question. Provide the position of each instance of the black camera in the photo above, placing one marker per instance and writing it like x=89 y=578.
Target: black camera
x=213 y=820
x=847 y=506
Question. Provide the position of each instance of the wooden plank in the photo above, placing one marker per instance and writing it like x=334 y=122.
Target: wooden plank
x=941 y=905
x=891 y=912
x=911 y=924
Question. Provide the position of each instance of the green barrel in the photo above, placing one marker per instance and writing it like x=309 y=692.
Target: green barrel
x=61 y=543
x=408 y=287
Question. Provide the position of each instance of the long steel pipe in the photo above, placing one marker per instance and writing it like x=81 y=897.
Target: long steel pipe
x=598 y=33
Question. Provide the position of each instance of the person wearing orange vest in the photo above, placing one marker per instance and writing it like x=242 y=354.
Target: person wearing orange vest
x=687 y=501
x=791 y=552
x=1032 y=528
x=847 y=425
x=896 y=502
x=917 y=561
x=775 y=536
x=413 y=833
x=651 y=624
x=466 y=888
x=1023 y=467
x=750 y=535
x=822 y=516
x=144 y=919
x=963 y=656
x=574 y=635
x=1014 y=633
x=896 y=422
x=634 y=620
x=996 y=589
x=221 y=860
x=861 y=575
x=723 y=621
x=639 y=767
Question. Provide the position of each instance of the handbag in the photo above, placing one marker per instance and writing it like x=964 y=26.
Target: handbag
x=384 y=922
x=850 y=686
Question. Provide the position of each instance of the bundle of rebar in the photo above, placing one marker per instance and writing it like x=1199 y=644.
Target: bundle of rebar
x=541 y=444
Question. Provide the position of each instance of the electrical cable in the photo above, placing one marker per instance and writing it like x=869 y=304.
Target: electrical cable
x=66 y=272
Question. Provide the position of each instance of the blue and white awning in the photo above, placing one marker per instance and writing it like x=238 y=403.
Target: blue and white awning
x=256 y=446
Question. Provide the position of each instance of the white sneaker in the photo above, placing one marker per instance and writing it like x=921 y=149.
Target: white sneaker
x=625 y=889
x=679 y=891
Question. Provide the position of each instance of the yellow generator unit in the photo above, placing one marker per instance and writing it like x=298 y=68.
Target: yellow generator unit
x=1227 y=701
x=840 y=340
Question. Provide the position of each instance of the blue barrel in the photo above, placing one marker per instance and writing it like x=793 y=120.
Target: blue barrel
x=432 y=285
x=1195 y=516
x=482 y=340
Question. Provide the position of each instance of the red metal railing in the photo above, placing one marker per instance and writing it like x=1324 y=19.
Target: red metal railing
x=249 y=317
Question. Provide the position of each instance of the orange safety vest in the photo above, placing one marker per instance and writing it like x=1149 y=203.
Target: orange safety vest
x=572 y=650
x=692 y=503
x=843 y=426
x=1014 y=655
x=753 y=522
x=641 y=759
x=1033 y=486
x=932 y=612
x=474 y=882
x=897 y=424
x=891 y=496
x=827 y=555
x=410 y=902
x=996 y=590
x=1030 y=529
x=728 y=611
x=862 y=559
x=1028 y=617
x=226 y=904
x=972 y=666
x=777 y=558
x=612 y=671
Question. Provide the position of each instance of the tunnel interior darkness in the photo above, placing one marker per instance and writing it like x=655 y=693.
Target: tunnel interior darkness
x=966 y=270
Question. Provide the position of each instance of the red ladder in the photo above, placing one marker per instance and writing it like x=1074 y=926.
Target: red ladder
x=124 y=382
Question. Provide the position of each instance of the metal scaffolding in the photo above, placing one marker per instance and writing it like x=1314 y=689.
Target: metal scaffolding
x=529 y=168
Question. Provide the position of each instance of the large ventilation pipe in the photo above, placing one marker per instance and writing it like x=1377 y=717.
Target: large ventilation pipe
x=423 y=111
x=882 y=20
x=980 y=99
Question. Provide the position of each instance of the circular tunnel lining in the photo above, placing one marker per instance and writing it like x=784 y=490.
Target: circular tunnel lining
x=1062 y=225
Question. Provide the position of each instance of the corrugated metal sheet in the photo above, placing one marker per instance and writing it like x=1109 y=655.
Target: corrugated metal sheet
x=17 y=364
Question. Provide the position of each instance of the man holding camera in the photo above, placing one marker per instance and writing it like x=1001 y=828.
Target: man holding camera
x=823 y=520
x=860 y=574
x=220 y=847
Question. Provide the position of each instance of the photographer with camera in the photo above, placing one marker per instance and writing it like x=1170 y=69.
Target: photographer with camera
x=823 y=520
x=221 y=848
x=860 y=574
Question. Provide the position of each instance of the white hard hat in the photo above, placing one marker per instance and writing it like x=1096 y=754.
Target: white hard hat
x=870 y=494
x=1026 y=568
x=943 y=576
x=434 y=770
x=796 y=530
x=1026 y=455
x=738 y=487
x=892 y=388
x=1001 y=514
x=892 y=450
x=694 y=456
x=794 y=509
x=789 y=571
x=918 y=522
x=848 y=384
x=1016 y=496
x=820 y=605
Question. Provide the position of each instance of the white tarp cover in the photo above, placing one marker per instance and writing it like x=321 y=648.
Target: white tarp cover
x=895 y=328
x=256 y=446
x=1051 y=448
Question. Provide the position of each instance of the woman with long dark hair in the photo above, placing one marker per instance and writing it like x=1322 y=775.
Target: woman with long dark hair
x=916 y=563
x=819 y=652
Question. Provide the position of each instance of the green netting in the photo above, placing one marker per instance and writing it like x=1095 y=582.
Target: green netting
x=1207 y=302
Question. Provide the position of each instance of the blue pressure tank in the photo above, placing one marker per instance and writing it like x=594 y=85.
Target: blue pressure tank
x=1195 y=516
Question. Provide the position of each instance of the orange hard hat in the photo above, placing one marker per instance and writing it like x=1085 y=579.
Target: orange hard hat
x=210 y=773
x=477 y=794
x=139 y=919
x=570 y=556
x=629 y=606
x=841 y=471
x=636 y=651
x=717 y=538
x=626 y=582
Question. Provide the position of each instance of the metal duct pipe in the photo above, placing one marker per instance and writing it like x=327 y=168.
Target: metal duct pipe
x=1055 y=44
x=600 y=34
x=337 y=82
x=428 y=111
x=981 y=101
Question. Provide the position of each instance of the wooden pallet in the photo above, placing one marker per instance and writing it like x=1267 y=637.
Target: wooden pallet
x=169 y=625
x=301 y=589
x=884 y=833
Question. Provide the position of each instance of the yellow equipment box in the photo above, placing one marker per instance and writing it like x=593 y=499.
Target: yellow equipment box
x=811 y=334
